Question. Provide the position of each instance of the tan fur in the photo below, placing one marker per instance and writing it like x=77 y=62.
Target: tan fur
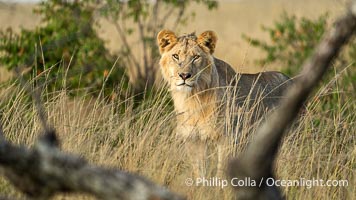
x=200 y=99
x=199 y=103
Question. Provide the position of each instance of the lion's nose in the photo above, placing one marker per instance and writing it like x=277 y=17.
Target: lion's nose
x=185 y=76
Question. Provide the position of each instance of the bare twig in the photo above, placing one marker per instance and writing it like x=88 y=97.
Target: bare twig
x=141 y=31
x=166 y=16
x=154 y=19
x=1 y=132
x=36 y=97
x=125 y=43
x=257 y=161
x=180 y=15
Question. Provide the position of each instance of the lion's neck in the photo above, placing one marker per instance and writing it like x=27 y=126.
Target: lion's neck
x=192 y=103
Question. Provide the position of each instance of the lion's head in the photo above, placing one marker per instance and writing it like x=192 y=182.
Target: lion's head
x=186 y=62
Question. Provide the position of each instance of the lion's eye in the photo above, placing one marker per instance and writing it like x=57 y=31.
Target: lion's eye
x=175 y=56
x=196 y=57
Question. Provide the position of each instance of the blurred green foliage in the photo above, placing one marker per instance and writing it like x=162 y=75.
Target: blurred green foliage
x=292 y=40
x=66 y=47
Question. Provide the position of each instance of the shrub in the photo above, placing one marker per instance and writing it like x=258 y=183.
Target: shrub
x=66 y=45
x=292 y=41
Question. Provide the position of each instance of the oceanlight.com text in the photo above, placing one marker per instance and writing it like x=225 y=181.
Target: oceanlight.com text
x=270 y=182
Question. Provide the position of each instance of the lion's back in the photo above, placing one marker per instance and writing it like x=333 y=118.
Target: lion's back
x=265 y=87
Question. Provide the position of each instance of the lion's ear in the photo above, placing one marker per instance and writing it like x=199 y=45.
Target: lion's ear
x=166 y=39
x=208 y=40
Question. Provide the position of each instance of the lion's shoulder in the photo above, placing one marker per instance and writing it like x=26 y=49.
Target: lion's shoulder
x=225 y=72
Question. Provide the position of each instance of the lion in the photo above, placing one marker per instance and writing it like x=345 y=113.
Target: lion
x=199 y=83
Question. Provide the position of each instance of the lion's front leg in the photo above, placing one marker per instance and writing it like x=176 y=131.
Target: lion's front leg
x=220 y=161
x=197 y=152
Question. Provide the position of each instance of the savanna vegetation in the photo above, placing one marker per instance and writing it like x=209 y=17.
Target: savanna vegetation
x=107 y=108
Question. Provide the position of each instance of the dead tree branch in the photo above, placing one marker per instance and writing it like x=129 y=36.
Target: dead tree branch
x=258 y=159
x=44 y=171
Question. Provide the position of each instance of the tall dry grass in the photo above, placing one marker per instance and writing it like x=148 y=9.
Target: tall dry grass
x=140 y=140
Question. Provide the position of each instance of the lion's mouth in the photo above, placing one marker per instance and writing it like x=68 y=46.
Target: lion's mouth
x=184 y=84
